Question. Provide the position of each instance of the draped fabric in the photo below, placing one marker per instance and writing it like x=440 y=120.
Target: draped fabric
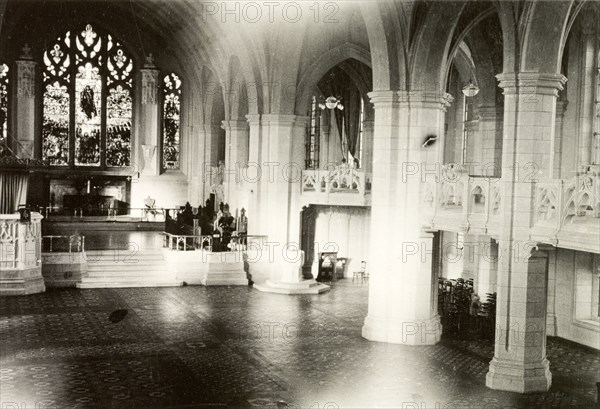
x=13 y=191
x=338 y=84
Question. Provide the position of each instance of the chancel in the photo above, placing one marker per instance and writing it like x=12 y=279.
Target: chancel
x=354 y=204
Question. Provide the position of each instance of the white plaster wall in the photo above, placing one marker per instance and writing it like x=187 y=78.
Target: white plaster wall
x=347 y=231
x=567 y=326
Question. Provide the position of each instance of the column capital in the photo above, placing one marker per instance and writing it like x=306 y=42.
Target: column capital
x=489 y=112
x=561 y=107
x=472 y=125
x=235 y=125
x=531 y=83
x=253 y=119
x=283 y=119
x=415 y=98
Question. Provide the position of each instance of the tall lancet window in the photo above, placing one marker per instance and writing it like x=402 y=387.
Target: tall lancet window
x=3 y=102
x=312 y=142
x=359 y=156
x=88 y=85
x=171 y=121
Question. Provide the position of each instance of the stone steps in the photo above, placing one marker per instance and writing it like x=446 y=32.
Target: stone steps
x=122 y=269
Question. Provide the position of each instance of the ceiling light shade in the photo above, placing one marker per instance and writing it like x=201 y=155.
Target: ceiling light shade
x=331 y=102
x=470 y=90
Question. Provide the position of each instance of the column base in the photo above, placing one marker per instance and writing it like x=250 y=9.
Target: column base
x=21 y=282
x=403 y=331
x=513 y=376
x=289 y=288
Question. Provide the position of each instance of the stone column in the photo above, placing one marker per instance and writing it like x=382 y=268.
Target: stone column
x=236 y=159
x=551 y=329
x=252 y=175
x=487 y=268
x=402 y=286
x=561 y=107
x=324 y=128
x=23 y=107
x=520 y=363
x=587 y=84
x=197 y=135
x=491 y=144
x=149 y=120
x=367 y=134
x=279 y=209
x=473 y=162
x=596 y=158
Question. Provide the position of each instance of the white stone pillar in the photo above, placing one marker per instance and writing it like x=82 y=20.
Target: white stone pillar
x=491 y=142
x=367 y=154
x=473 y=162
x=236 y=159
x=402 y=286
x=324 y=129
x=23 y=107
x=596 y=153
x=587 y=84
x=487 y=268
x=149 y=120
x=561 y=107
x=551 y=308
x=520 y=362
x=283 y=138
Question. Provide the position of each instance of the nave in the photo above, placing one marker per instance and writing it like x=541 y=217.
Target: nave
x=218 y=347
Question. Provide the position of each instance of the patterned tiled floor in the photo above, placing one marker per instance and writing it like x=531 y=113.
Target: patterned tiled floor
x=198 y=347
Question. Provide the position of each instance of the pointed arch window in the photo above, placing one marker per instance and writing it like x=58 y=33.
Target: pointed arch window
x=4 y=78
x=171 y=91
x=88 y=100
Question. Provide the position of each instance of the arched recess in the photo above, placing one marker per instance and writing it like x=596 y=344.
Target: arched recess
x=543 y=48
x=528 y=44
x=429 y=64
x=320 y=67
x=213 y=116
x=236 y=93
x=385 y=49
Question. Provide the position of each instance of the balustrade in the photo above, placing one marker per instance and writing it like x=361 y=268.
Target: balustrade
x=562 y=207
x=75 y=243
x=20 y=243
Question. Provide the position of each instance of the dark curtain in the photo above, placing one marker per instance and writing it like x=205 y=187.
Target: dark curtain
x=13 y=191
x=339 y=84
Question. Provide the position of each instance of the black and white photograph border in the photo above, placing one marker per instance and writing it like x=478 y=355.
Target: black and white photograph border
x=299 y=204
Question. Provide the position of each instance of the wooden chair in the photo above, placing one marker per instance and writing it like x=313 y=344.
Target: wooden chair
x=362 y=273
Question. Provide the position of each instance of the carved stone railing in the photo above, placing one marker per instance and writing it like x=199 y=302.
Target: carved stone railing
x=20 y=243
x=455 y=201
x=565 y=212
x=336 y=180
x=20 y=255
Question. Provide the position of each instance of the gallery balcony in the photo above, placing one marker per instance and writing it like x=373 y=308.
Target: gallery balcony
x=566 y=212
x=338 y=186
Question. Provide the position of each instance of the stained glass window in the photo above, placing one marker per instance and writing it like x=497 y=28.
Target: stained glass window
x=3 y=103
x=312 y=142
x=171 y=120
x=87 y=100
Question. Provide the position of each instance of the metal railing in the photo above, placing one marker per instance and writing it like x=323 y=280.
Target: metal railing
x=215 y=242
x=136 y=214
x=74 y=243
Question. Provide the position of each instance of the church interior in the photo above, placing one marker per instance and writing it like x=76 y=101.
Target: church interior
x=328 y=204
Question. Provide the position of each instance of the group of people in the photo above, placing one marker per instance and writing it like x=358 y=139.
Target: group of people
x=221 y=225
